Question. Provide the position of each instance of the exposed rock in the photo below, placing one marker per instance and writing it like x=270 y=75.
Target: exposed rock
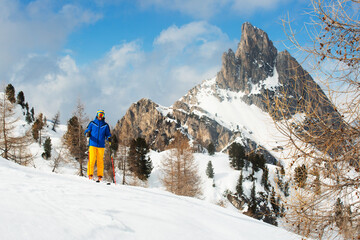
x=255 y=61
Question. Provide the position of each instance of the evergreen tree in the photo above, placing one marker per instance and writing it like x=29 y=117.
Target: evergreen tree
x=27 y=107
x=237 y=156
x=114 y=143
x=28 y=118
x=253 y=201
x=139 y=163
x=265 y=178
x=210 y=170
x=47 y=149
x=274 y=203
x=263 y=212
x=10 y=93
x=21 y=99
x=211 y=149
x=32 y=111
x=75 y=141
x=239 y=187
x=258 y=161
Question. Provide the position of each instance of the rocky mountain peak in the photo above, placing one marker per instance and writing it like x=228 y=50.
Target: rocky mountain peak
x=253 y=75
x=253 y=61
x=254 y=39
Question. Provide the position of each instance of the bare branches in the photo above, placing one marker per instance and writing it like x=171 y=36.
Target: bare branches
x=13 y=146
x=179 y=168
x=326 y=142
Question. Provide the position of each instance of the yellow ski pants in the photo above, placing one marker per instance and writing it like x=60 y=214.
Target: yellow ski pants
x=96 y=155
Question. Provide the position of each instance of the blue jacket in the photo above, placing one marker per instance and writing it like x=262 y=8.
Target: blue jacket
x=99 y=132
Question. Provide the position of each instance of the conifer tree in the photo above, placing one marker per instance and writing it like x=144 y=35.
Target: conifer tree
x=211 y=149
x=28 y=118
x=74 y=138
x=21 y=99
x=10 y=93
x=253 y=201
x=239 y=187
x=139 y=163
x=258 y=161
x=76 y=142
x=47 y=149
x=237 y=156
x=114 y=143
x=265 y=178
x=210 y=170
x=32 y=111
x=274 y=203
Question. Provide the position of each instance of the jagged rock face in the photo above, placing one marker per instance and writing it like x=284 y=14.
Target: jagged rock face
x=143 y=119
x=254 y=61
x=297 y=83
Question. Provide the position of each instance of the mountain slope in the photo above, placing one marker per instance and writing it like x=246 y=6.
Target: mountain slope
x=52 y=206
x=237 y=105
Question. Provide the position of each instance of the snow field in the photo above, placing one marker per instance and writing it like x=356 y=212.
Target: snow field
x=40 y=205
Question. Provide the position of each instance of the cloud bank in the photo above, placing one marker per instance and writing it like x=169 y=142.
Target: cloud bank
x=39 y=26
x=181 y=57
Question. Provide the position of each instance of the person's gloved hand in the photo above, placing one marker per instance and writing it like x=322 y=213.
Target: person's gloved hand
x=88 y=134
x=109 y=140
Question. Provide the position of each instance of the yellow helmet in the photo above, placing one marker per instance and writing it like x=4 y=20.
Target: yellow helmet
x=100 y=113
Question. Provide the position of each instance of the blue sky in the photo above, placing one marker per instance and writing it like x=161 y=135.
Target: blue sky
x=111 y=53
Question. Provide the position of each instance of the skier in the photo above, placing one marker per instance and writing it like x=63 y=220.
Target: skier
x=98 y=131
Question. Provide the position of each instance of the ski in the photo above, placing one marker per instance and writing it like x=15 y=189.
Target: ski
x=107 y=183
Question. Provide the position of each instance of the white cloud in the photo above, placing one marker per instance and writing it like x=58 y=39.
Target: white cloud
x=198 y=33
x=126 y=73
x=49 y=84
x=36 y=27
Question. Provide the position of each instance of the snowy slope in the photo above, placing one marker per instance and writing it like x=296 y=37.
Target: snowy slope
x=39 y=205
x=228 y=109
